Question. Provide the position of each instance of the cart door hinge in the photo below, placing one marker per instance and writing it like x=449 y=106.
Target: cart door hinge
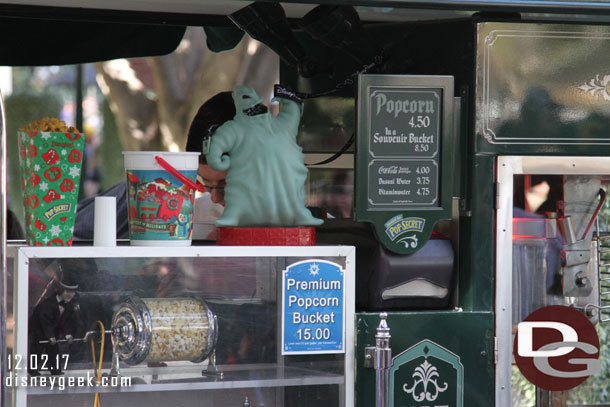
x=497 y=195
x=495 y=350
x=369 y=357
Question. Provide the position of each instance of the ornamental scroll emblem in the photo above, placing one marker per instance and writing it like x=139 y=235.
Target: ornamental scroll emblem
x=409 y=241
x=597 y=87
x=425 y=386
x=427 y=375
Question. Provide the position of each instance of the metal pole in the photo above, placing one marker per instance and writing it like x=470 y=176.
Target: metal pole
x=383 y=362
x=3 y=291
x=78 y=119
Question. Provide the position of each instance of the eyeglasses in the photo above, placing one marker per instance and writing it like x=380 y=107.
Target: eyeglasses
x=210 y=188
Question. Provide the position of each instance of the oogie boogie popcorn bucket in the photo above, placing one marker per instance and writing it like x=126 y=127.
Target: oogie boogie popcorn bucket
x=160 y=203
x=50 y=175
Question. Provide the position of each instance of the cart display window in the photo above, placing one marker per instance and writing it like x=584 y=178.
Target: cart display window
x=331 y=190
x=201 y=325
x=552 y=211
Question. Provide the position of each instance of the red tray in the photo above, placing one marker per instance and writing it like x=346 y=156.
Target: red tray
x=243 y=236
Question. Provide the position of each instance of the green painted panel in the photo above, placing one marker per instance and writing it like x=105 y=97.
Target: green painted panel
x=477 y=237
x=458 y=347
x=406 y=145
x=427 y=373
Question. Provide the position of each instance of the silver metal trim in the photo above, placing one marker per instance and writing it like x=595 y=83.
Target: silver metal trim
x=543 y=6
x=161 y=380
x=212 y=332
x=375 y=10
x=21 y=264
x=382 y=362
x=598 y=311
x=507 y=168
x=132 y=320
x=3 y=279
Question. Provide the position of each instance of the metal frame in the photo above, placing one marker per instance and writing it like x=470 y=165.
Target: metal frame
x=3 y=232
x=603 y=275
x=22 y=254
x=299 y=7
x=507 y=167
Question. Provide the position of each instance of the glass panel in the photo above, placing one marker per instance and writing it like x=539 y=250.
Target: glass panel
x=327 y=124
x=68 y=296
x=331 y=190
x=45 y=91
x=126 y=105
x=542 y=273
x=536 y=260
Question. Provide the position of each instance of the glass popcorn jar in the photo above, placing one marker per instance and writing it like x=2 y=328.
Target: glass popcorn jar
x=164 y=329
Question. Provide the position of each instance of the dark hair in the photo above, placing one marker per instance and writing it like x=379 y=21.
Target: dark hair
x=213 y=113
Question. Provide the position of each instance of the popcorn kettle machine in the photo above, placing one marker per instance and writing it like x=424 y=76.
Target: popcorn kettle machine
x=157 y=330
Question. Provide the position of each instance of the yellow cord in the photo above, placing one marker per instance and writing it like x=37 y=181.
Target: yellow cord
x=97 y=402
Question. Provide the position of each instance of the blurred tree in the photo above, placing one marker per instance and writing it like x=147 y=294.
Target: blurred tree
x=111 y=160
x=154 y=99
x=22 y=109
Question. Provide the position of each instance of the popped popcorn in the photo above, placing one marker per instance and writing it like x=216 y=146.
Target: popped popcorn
x=180 y=329
x=49 y=124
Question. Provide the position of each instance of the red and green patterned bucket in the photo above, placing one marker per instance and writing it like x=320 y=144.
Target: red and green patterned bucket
x=160 y=187
x=50 y=175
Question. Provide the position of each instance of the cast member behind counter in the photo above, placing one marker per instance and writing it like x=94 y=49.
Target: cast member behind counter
x=209 y=207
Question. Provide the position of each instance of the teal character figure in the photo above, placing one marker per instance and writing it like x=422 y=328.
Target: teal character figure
x=182 y=225
x=266 y=178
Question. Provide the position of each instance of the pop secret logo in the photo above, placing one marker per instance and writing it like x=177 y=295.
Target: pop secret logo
x=556 y=348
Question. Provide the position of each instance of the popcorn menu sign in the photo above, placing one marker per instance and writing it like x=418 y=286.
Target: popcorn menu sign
x=50 y=173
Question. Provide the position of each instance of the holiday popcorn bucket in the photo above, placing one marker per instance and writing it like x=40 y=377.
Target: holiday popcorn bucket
x=50 y=174
x=160 y=186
